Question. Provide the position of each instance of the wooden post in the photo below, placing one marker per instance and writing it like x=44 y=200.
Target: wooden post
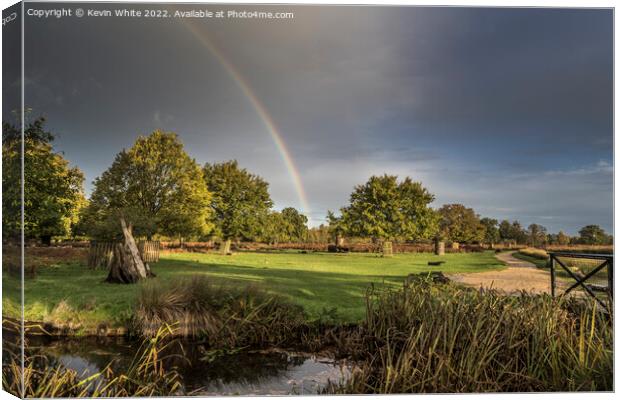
x=552 y=267
x=610 y=277
x=387 y=249
x=440 y=247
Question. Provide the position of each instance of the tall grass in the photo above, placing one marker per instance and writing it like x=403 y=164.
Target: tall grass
x=145 y=375
x=446 y=339
x=535 y=253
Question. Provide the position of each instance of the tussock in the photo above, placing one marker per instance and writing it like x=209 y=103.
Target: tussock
x=224 y=316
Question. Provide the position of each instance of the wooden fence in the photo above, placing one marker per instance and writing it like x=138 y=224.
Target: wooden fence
x=100 y=253
x=555 y=259
x=149 y=250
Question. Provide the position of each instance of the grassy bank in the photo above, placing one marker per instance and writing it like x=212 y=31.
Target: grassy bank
x=322 y=283
x=421 y=338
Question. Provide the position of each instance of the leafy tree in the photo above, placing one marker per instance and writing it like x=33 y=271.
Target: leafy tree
x=53 y=193
x=518 y=233
x=593 y=234
x=272 y=231
x=240 y=200
x=491 y=231
x=512 y=231
x=563 y=239
x=386 y=209
x=319 y=234
x=505 y=230
x=295 y=225
x=156 y=187
x=460 y=224
x=536 y=235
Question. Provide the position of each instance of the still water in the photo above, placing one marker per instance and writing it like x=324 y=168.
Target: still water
x=204 y=372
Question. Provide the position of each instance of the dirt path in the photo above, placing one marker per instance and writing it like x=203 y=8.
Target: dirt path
x=520 y=275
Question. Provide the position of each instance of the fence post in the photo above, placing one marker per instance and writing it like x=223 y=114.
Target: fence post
x=610 y=277
x=552 y=275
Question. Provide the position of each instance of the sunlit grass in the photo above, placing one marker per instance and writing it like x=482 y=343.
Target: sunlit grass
x=315 y=281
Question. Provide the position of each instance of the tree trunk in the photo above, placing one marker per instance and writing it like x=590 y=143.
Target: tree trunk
x=127 y=265
x=225 y=247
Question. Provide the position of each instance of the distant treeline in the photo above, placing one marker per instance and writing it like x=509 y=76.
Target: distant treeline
x=165 y=194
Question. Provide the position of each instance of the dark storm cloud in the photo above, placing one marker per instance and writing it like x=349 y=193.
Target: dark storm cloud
x=506 y=110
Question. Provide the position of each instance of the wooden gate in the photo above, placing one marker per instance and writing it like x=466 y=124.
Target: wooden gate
x=607 y=262
x=100 y=253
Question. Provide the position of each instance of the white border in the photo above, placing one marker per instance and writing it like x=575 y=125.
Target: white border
x=470 y=3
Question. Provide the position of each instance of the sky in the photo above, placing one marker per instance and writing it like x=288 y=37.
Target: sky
x=508 y=111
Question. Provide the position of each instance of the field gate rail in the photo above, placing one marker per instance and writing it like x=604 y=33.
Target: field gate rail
x=607 y=261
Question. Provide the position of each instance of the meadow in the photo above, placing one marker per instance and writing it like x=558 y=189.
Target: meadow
x=327 y=285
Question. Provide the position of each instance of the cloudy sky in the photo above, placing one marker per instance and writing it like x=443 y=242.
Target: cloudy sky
x=508 y=111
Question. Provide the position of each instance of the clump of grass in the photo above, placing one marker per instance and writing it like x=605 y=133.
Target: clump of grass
x=145 y=376
x=225 y=316
x=446 y=339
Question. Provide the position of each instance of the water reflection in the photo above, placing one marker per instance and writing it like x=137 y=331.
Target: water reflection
x=205 y=372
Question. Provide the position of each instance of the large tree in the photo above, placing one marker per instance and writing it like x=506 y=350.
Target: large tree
x=491 y=231
x=512 y=231
x=593 y=234
x=460 y=224
x=563 y=239
x=240 y=201
x=385 y=209
x=295 y=224
x=53 y=193
x=536 y=235
x=154 y=187
x=272 y=231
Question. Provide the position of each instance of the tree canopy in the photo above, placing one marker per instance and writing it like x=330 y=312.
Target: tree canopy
x=536 y=235
x=240 y=201
x=512 y=231
x=594 y=234
x=460 y=224
x=156 y=186
x=384 y=208
x=295 y=224
x=53 y=193
x=491 y=231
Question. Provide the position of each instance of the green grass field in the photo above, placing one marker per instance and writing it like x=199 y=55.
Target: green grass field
x=75 y=295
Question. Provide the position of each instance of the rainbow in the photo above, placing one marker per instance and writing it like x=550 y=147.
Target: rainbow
x=262 y=112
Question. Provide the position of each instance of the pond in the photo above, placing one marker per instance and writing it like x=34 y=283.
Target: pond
x=204 y=372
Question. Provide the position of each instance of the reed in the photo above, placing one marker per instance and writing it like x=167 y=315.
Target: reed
x=145 y=375
x=446 y=339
